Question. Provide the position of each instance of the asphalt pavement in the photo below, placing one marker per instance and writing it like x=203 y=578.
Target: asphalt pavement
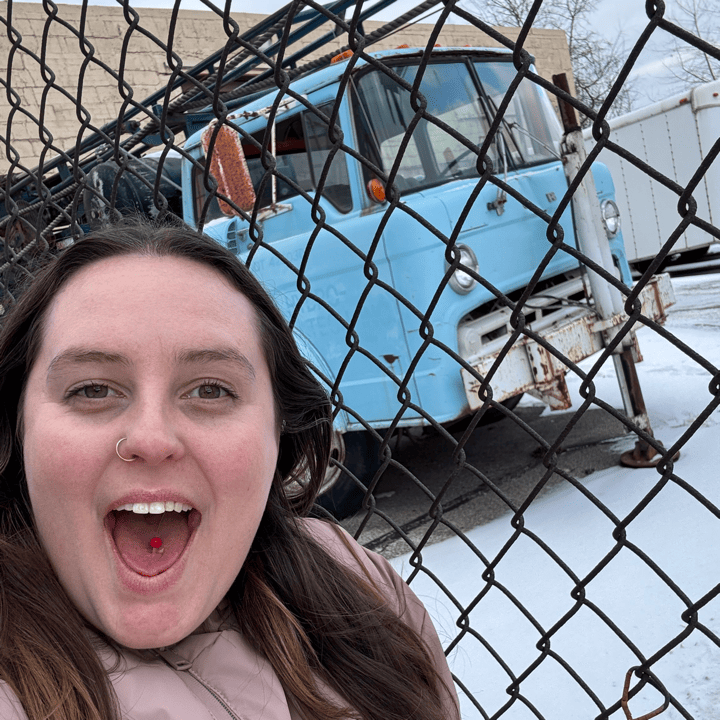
x=503 y=467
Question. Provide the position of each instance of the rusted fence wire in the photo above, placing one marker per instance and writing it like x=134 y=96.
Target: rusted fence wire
x=50 y=196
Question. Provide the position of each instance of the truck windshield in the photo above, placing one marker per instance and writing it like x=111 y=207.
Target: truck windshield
x=463 y=96
x=525 y=118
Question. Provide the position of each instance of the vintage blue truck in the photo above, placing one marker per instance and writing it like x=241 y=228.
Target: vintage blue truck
x=390 y=265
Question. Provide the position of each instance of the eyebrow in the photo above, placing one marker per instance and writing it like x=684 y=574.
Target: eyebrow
x=226 y=354
x=74 y=356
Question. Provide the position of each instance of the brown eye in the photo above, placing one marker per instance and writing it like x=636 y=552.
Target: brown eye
x=95 y=391
x=209 y=392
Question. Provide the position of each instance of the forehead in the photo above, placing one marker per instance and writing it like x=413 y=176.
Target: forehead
x=133 y=300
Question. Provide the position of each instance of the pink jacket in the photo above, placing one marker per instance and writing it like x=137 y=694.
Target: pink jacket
x=214 y=674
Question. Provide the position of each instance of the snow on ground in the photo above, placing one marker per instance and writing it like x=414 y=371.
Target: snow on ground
x=675 y=531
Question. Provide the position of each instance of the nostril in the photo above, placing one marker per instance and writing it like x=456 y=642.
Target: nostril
x=149 y=447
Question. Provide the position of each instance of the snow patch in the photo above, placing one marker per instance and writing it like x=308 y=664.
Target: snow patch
x=635 y=604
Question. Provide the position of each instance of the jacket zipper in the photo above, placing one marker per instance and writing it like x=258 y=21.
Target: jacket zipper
x=184 y=668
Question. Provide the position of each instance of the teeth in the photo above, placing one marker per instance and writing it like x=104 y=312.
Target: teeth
x=155 y=508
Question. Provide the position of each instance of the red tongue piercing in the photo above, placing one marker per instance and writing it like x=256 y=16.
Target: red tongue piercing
x=156 y=542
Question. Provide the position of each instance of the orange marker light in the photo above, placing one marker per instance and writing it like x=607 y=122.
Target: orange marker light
x=376 y=190
x=342 y=56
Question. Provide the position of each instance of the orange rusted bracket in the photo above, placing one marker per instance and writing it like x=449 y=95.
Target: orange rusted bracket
x=643 y=455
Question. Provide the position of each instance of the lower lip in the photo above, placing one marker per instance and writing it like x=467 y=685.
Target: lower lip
x=150 y=585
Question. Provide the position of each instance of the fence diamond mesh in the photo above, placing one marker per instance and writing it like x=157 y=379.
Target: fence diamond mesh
x=440 y=248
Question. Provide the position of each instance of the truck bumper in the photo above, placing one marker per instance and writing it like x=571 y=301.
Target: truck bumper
x=530 y=367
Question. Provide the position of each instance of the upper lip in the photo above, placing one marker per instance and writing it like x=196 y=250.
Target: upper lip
x=150 y=496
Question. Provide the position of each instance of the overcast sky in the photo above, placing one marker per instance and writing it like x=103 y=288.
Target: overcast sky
x=623 y=18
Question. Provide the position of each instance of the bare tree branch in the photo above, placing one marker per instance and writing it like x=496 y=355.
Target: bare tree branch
x=596 y=61
x=688 y=64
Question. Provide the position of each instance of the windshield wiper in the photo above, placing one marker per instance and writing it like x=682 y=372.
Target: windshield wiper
x=551 y=150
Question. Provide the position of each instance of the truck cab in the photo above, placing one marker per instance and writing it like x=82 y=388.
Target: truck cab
x=381 y=239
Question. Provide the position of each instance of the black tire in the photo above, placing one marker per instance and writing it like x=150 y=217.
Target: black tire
x=345 y=496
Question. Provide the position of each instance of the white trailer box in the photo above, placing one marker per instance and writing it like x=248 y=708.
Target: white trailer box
x=673 y=136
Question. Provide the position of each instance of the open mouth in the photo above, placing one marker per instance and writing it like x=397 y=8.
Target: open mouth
x=151 y=537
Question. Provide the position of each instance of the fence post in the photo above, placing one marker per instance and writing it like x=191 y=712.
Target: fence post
x=593 y=243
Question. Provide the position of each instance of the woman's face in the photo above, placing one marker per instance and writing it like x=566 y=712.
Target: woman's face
x=163 y=352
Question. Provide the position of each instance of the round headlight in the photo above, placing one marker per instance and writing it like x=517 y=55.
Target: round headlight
x=460 y=281
x=611 y=217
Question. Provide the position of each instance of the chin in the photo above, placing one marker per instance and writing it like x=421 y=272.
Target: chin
x=153 y=627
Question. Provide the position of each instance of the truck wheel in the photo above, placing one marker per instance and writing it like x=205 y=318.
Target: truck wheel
x=343 y=497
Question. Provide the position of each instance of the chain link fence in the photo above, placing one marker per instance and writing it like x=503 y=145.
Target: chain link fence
x=348 y=153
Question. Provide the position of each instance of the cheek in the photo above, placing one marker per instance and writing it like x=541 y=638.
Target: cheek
x=58 y=466
x=244 y=470
x=249 y=474
x=56 y=489
x=41 y=465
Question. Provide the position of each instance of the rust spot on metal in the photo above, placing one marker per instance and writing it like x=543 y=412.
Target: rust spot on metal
x=624 y=702
x=390 y=359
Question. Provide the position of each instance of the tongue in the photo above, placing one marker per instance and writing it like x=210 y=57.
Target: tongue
x=133 y=532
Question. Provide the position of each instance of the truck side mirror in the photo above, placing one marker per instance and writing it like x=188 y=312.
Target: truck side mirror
x=229 y=168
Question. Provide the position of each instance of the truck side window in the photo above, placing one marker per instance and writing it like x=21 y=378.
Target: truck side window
x=336 y=187
x=291 y=160
x=302 y=147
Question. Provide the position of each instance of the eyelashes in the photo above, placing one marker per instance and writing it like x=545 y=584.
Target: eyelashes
x=91 y=391
x=206 y=389
x=211 y=390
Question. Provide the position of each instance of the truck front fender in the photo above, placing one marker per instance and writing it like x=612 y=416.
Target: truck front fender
x=322 y=372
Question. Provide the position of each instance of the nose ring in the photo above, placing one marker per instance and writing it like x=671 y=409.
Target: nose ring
x=117 y=451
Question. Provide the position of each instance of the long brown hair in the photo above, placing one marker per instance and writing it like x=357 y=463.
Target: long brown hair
x=310 y=616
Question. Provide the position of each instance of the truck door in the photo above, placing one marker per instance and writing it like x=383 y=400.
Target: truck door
x=334 y=266
x=437 y=174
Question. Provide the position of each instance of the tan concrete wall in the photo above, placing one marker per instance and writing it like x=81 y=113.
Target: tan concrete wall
x=146 y=69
